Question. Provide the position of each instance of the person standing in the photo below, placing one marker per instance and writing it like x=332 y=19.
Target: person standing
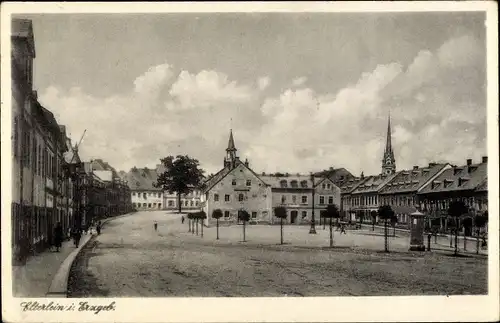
x=98 y=228
x=77 y=235
x=156 y=226
x=58 y=236
x=182 y=219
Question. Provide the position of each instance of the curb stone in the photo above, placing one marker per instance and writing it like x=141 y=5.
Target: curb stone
x=59 y=285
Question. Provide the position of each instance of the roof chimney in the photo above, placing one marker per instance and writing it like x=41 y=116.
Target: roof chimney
x=469 y=162
x=415 y=167
x=485 y=159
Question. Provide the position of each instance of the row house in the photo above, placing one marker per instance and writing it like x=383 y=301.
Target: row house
x=365 y=198
x=40 y=188
x=401 y=191
x=348 y=202
x=467 y=183
x=189 y=201
x=237 y=187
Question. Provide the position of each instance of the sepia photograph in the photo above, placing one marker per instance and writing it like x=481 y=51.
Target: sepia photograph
x=248 y=154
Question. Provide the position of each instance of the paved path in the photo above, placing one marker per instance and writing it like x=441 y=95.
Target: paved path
x=131 y=259
x=35 y=277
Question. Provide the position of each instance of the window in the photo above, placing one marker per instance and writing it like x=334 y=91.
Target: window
x=241 y=197
x=192 y=203
x=304 y=199
x=321 y=200
x=294 y=199
x=143 y=204
x=330 y=199
x=159 y=205
x=233 y=182
x=144 y=195
x=283 y=183
x=249 y=182
x=154 y=204
x=216 y=197
x=133 y=193
x=283 y=199
x=303 y=184
x=328 y=186
x=227 y=198
x=254 y=215
x=323 y=186
x=304 y=214
x=294 y=184
x=186 y=203
x=133 y=205
x=226 y=214
x=170 y=203
x=197 y=203
x=149 y=205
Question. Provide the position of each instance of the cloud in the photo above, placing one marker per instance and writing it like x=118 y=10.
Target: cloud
x=299 y=81
x=263 y=82
x=437 y=105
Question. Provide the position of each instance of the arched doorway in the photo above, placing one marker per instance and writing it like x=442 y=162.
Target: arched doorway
x=293 y=217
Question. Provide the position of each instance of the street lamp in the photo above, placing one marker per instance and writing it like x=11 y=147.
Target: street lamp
x=313 y=228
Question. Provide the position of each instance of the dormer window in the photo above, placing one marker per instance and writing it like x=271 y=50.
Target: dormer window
x=294 y=184
x=283 y=184
x=303 y=184
x=249 y=182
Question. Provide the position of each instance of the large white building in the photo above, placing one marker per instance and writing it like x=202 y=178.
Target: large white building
x=237 y=187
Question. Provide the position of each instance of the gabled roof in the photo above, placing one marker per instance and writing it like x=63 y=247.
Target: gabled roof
x=373 y=183
x=483 y=187
x=224 y=172
x=461 y=178
x=142 y=179
x=350 y=185
x=411 y=180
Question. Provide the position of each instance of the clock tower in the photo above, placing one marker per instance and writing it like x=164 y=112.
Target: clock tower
x=388 y=161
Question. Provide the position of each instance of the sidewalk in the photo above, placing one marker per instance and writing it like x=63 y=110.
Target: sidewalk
x=35 y=277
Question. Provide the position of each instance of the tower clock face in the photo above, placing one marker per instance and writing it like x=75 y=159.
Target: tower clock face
x=388 y=161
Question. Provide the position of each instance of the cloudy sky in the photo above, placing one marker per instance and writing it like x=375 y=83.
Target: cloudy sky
x=300 y=91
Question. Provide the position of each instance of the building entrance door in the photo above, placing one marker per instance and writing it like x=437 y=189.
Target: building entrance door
x=293 y=216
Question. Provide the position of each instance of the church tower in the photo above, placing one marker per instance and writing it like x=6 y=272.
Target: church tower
x=231 y=158
x=388 y=162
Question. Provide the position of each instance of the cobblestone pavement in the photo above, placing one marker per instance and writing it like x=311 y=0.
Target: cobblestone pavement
x=130 y=259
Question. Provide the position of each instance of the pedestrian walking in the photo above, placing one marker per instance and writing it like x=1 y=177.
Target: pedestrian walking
x=156 y=226
x=342 y=229
x=58 y=236
x=182 y=219
x=77 y=235
x=98 y=228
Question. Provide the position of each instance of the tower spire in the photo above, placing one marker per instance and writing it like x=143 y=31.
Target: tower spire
x=230 y=160
x=230 y=144
x=388 y=162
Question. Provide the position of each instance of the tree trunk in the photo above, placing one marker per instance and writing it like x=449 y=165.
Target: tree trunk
x=217 y=228
x=456 y=236
x=244 y=238
x=179 y=206
x=386 y=244
x=196 y=226
x=394 y=231
x=189 y=223
x=202 y=227
x=465 y=242
x=281 y=229
x=324 y=222
x=477 y=242
x=331 y=234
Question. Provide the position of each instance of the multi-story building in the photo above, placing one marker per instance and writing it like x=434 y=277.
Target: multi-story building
x=401 y=191
x=348 y=205
x=145 y=195
x=237 y=187
x=38 y=147
x=467 y=183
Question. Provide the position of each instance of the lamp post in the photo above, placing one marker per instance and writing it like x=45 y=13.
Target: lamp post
x=313 y=228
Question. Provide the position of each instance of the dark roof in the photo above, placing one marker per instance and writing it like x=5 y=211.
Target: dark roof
x=459 y=178
x=350 y=185
x=483 y=187
x=373 y=183
x=23 y=28
x=411 y=180
x=142 y=179
x=230 y=144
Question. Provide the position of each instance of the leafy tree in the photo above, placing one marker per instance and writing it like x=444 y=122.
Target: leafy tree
x=280 y=212
x=385 y=213
x=181 y=176
x=456 y=210
x=244 y=216
x=217 y=214
x=480 y=222
x=373 y=214
x=332 y=212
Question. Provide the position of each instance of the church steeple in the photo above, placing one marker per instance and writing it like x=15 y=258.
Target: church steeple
x=230 y=151
x=388 y=162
